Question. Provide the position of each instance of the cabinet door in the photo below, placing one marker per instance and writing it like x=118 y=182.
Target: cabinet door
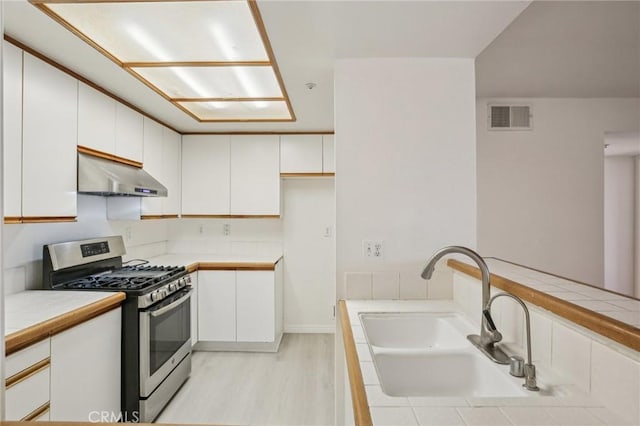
x=96 y=120
x=49 y=144
x=85 y=369
x=171 y=158
x=217 y=306
x=194 y=308
x=152 y=206
x=301 y=154
x=12 y=129
x=328 y=154
x=255 y=305
x=255 y=175
x=129 y=133
x=205 y=175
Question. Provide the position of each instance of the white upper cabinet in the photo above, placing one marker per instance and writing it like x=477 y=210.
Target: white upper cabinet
x=206 y=175
x=96 y=120
x=152 y=206
x=109 y=126
x=49 y=143
x=328 y=154
x=301 y=154
x=255 y=175
x=12 y=129
x=171 y=162
x=162 y=160
x=129 y=133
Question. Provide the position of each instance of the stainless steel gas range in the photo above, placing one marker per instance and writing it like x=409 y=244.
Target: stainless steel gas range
x=156 y=329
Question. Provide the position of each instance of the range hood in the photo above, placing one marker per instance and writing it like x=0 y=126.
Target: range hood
x=97 y=176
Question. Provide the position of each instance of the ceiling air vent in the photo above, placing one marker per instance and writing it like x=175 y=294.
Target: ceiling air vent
x=510 y=117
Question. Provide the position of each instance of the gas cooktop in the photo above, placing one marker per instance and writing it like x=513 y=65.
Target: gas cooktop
x=127 y=278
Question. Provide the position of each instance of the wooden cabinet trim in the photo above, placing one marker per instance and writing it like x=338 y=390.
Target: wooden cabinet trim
x=158 y=216
x=361 y=413
x=28 y=372
x=28 y=336
x=230 y=216
x=48 y=219
x=12 y=220
x=290 y=175
x=108 y=156
x=38 y=412
x=225 y=266
x=618 y=331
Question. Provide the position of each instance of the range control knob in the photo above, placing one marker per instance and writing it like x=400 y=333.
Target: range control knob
x=172 y=287
x=153 y=296
x=187 y=279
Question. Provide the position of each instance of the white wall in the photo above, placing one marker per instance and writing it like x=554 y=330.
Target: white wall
x=309 y=255
x=540 y=192
x=620 y=219
x=22 y=243
x=246 y=236
x=405 y=174
x=405 y=158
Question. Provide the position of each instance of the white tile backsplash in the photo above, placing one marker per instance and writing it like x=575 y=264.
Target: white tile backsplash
x=571 y=356
x=412 y=286
x=615 y=380
x=541 y=335
x=440 y=286
x=358 y=285
x=386 y=285
x=607 y=371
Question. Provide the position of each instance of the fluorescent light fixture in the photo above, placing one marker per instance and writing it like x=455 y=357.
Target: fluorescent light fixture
x=210 y=58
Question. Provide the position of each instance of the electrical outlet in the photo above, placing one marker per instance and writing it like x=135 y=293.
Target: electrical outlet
x=373 y=249
x=226 y=229
x=201 y=229
x=128 y=234
x=328 y=232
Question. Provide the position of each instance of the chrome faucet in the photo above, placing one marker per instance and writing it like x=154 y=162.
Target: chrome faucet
x=529 y=372
x=489 y=335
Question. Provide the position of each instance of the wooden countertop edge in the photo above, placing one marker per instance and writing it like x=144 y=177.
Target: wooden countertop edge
x=30 y=335
x=361 y=413
x=613 y=329
x=232 y=266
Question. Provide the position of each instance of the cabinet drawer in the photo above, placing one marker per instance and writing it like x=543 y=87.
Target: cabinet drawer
x=27 y=395
x=21 y=360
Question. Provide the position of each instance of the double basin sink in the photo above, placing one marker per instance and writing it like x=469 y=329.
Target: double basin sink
x=427 y=354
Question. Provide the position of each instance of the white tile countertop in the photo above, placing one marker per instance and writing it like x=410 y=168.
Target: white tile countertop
x=30 y=308
x=576 y=408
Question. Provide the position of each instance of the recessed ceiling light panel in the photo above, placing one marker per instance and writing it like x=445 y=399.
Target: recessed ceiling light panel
x=213 y=82
x=197 y=51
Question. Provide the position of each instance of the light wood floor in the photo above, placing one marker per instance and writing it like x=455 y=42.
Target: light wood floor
x=292 y=387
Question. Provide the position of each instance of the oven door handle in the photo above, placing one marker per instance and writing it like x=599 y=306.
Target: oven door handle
x=170 y=306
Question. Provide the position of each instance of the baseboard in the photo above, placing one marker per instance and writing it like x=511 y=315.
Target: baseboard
x=302 y=329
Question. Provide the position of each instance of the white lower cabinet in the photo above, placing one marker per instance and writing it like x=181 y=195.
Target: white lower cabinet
x=242 y=307
x=255 y=306
x=68 y=376
x=217 y=306
x=194 y=308
x=85 y=369
x=27 y=384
